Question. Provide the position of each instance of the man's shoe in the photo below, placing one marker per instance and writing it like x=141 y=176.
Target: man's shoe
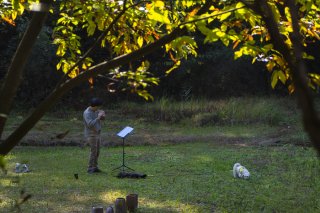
x=90 y=171
x=97 y=170
x=94 y=170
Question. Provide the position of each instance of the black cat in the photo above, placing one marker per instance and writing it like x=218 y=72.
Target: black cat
x=131 y=175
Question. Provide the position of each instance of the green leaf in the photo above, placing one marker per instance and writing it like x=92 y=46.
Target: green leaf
x=274 y=79
x=2 y=163
x=91 y=28
x=267 y=48
x=306 y=56
x=282 y=77
x=15 y=4
x=145 y=94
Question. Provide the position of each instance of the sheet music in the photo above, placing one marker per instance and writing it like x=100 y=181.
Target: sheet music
x=123 y=133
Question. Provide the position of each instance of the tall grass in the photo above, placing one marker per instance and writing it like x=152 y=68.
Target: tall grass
x=201 y=112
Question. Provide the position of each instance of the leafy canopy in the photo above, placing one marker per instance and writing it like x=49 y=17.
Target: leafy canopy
x=122 y=27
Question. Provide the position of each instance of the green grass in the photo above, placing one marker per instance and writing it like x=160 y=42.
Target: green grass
x=191 y=177
x=189 y=168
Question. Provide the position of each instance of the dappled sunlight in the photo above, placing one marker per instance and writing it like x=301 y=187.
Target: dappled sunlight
x=5 y=202
x=78 y=197
x=9 y=157
x=171 y=205
x=146 y=203
x=204 y=158
x=51 y=206
x=6 y=182
x=112 y=195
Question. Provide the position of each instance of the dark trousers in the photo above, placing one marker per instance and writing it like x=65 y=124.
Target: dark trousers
x=94 y=142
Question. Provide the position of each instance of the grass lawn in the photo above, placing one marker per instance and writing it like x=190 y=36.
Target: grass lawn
x=187 y=150
x=190 y=177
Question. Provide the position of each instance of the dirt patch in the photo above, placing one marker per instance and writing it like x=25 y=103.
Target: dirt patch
x=133 y=140
x=163 y=136
x=38 y=139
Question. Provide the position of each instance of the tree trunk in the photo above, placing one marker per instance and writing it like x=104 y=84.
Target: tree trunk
x=14 y=74
x=296 y=65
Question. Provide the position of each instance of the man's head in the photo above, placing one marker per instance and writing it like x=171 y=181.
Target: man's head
x=95 y=103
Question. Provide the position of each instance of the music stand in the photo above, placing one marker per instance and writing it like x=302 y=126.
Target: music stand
x=122 y=134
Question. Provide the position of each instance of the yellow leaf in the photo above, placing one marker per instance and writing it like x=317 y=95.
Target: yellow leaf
x=21 y=8
x=316 y=81
x=61 y=50
x=220 y=34
x=287 y=13
x=270 y=65
x=239 y=5
x=73 y=73
x=237 y=54
x=176 y=65
x=14 y=15
x=224 y=16
x=159 y=4
x=140 y=41
x=153 y=15
x=291 y=88
x=168 y=47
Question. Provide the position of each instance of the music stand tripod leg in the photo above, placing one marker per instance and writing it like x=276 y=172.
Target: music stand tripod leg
x=123 y=163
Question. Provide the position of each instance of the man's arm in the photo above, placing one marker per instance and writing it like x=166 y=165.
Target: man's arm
x=91 y=122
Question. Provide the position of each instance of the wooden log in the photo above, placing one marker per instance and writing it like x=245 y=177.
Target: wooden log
x=132 y=202
x=97 y=209
x=109 y=210
x=120 y=205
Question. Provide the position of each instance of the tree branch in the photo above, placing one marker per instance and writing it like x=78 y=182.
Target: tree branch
x=15 y=137
x=205 y=18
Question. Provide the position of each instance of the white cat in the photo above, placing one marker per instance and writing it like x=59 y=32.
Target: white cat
x=240 y=171
x=21 y=168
